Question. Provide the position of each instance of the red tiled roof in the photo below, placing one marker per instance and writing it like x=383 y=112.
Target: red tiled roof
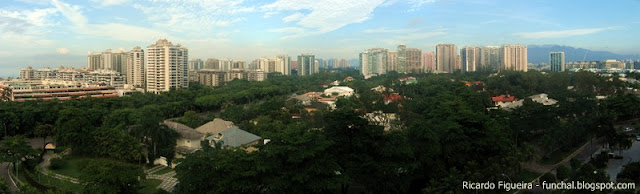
x=503 y=98
x=392 y=97
x=407 y=78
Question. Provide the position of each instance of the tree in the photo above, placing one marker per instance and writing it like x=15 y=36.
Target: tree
x=117 y=144
x=219 y=171
x=43 y=130
x=108 y=176
x=298 y=160
x=14 y=148
x=73 y=128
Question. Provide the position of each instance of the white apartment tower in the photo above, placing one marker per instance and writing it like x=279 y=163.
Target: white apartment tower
x=513 y=57
x=470 y=57
x=135 y=67
x=373 y=62
x=167 y=66
x=280 y=63
x=108 y=60
x=447 y=58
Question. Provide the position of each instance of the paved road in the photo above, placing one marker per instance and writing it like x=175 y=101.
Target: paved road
x=614 y=166
x=4 y=172
x=36 y=143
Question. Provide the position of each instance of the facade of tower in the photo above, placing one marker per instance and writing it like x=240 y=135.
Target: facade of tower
x=286 y=62
x=307 y=64
x=280 y=63
x=167 y=66
x=513 y=57
x=429 y=61
x=108 y=60
x=556 y=60
x=392 y=61
x=414 y=60
x=373 y=62
x=135 y=67
x=489 y=58
x=470 y=58
x=196 y=64
x=447 y=58
x=402 y=59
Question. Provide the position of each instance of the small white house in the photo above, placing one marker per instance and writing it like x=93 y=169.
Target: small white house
x=339 y=90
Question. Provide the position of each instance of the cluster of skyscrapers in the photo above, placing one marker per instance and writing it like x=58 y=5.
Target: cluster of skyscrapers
x=164 y=66
x=446 y=59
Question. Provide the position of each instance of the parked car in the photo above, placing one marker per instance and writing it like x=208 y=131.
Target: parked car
x=637 y=137
x=614 y=156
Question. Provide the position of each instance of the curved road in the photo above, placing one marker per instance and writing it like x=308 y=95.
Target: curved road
x=4 y=167
x=4 y=172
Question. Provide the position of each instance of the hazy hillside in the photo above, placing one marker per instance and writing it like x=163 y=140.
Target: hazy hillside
x=540 y=53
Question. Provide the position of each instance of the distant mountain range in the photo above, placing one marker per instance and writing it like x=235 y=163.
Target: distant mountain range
x=540 y=53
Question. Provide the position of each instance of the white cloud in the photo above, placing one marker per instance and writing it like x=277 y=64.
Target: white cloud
x=25 y=21
x=71 y=12
x=187 y=15
x=105 y=3
x=293 y=17
x=325 y=16
x=62 y=51
x=421 y=35
x=417 y=4
x=385 y=30
x=564 y=33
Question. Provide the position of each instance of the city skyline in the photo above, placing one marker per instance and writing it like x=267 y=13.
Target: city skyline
x=62 y=32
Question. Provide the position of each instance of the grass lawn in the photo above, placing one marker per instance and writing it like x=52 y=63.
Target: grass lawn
x=526 y=176
x=65 y=185
x=149 y=186
x=72 y=167
x=163 y=171
x=559 y=155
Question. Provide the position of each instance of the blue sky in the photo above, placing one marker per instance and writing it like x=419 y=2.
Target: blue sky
x=61 y=32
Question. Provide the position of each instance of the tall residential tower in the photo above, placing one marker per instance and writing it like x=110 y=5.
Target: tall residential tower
x=167 y=66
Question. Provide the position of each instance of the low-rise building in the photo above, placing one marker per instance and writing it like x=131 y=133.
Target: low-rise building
x=22 y=90
x=339 y=91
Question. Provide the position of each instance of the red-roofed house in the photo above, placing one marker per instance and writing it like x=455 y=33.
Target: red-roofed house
x=394 y=97
x=502 y=99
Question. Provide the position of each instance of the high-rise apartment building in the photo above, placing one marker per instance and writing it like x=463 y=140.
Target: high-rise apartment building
x=513 y=57
x=196 y=64
x=429 y=61
x=392 y=61
x=447 y=58
x=556 y=60
x=135 y=67
x=212 y=64
x=373 y=62
x=307 y=64
x=489 y=58
x=413 y=60
x=280 y=63
x=167 y=66
x=470 y=58
x=108 y=60
x=402 y=59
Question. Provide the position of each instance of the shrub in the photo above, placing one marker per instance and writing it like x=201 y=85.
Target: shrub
x=56 y=163
x=548 y=177
x=563 y=172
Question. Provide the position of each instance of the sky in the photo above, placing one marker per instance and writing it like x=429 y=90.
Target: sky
x=53 y=33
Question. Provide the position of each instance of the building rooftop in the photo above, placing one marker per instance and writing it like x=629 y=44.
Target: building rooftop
x=503 y=98
x=234 y=137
